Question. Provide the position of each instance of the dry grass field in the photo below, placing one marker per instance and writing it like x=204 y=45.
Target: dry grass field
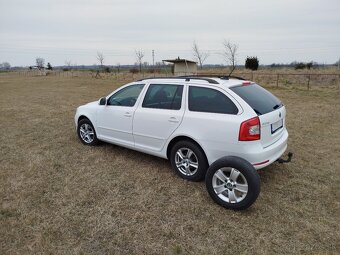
x=61 y=197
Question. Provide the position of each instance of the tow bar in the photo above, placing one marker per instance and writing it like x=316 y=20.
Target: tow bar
x=289 y=159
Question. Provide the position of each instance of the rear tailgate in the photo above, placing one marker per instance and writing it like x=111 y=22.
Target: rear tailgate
x=269 y=109
x=272 y=126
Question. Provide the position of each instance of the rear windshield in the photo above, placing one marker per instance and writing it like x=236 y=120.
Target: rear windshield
x=261 y=100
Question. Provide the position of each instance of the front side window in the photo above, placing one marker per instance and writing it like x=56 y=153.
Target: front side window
x=163 y=96
x=210 y=100
x=126 y=96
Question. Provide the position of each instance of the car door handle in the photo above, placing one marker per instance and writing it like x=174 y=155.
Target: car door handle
x=127 y=114
x=173 y=120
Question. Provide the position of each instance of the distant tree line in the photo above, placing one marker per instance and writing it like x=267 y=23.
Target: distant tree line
x=229 y=54
x=301 y=65
x=5 y=66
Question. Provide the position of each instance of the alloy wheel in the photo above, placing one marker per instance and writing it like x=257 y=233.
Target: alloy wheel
x=230 y=185
x=86 y=133
x=186 y=161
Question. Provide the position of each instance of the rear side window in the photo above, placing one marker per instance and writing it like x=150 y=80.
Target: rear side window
x=210 y=100
x=163 y=96
x=260 y=99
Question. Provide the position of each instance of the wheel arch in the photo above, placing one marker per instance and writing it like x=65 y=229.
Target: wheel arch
x=81 y=117
x=84 y=117
x=182 y=138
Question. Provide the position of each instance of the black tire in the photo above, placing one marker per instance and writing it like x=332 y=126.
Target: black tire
x=249 y=177
x=92 y=138
x=198 y=157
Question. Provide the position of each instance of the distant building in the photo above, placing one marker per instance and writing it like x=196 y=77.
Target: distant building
x=182 y=66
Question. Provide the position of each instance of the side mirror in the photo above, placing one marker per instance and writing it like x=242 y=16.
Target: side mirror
x=102 y=101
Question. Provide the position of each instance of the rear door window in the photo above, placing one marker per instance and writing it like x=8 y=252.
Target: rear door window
x=210 y=100
x=163 y=96
x=260 y=99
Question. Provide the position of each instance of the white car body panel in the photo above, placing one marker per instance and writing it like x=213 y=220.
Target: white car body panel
x=153 y=127
x=109 y=129
x=267 y=138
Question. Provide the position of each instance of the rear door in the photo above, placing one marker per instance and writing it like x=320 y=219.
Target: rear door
x=158 y=116
x=269 y=109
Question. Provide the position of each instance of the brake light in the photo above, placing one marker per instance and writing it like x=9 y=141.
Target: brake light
x=245 y=83
x=250 y=130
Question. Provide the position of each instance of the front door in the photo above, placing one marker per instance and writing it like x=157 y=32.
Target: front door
x=114 y=122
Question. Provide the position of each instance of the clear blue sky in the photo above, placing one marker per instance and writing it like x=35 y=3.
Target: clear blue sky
x=279 y=31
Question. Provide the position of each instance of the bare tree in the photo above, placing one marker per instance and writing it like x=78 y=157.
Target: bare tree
x=139 y=58
x=100 y=58
x=40 y=62
x=229 y=54
x=200 y=56
x=5 y=66
x=68 y=63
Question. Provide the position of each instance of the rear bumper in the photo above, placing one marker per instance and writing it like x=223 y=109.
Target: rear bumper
x=265 y=156
x=252 y=151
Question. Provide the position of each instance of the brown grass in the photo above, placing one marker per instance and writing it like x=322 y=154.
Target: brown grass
x=61 y=197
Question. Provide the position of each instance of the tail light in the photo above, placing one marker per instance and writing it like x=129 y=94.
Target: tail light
x=250 y=130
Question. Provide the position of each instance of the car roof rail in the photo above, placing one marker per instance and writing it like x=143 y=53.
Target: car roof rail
x=237 y=77
x=202 y=76
x=222 y=77
x=187 y=78
x=194 y=77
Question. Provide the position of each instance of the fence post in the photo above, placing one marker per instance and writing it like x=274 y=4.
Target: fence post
x=277 y=80
x=308 y=82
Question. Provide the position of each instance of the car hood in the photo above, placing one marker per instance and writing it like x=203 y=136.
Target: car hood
x=89 y=105
x=92 y=103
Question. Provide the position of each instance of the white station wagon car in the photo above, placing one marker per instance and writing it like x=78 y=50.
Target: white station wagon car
x=230 y=126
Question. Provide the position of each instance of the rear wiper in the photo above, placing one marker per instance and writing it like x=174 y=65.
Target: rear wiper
x=277 y=106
